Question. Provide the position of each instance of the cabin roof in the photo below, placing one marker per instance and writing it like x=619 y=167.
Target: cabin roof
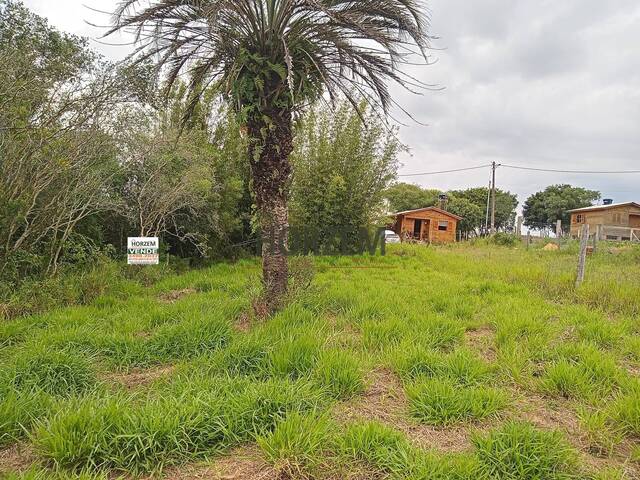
x=435 y=209
x=605 y=207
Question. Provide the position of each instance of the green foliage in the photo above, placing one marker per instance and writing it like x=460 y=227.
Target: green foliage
x=518 y=451
x=407 y=196
x=56 y=373
x=554 y=202
x=342 y=168
x=340 y=374
x=441 y=402
x=506 y=203
x=506 y=239
x=296 y=443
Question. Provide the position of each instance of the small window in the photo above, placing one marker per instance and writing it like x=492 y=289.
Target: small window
x=443 y=226
x=617 y=218
x=579 y=218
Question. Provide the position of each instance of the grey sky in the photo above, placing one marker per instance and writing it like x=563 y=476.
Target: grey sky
x=543 y=83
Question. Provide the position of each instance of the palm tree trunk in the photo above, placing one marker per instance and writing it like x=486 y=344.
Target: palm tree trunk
x=271 y=143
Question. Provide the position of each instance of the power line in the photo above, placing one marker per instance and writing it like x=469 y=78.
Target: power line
x=517 y=167
x=601 y=172
x=446 y=171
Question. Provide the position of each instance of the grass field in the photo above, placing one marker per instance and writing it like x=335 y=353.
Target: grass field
x=463 y=362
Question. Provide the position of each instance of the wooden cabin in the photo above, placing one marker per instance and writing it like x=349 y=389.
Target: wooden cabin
x=431 y=224
x=614 y=221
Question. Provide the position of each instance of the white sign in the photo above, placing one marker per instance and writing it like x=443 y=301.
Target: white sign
x=143 y=251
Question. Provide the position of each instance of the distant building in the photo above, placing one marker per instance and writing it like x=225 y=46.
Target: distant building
x=613 y=221
x=431 y=224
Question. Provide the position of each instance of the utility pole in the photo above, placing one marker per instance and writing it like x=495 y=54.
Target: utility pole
x=493 y=197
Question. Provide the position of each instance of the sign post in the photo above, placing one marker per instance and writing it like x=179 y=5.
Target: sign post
x=143 y=251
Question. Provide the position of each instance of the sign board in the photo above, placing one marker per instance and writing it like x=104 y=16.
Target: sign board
x=143 y=251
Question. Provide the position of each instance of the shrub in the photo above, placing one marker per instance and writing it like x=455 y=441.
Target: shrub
x=506 y=239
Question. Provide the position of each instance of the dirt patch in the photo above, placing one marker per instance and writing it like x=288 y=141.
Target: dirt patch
x=241 y=464
x=140 y=378
x=386 y=402
x=175 y=295
x=555 y=414
x=244 y=323
x=482 y=341
x=17 y=458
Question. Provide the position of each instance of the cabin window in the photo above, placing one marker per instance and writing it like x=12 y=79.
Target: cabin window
x=617 y=218
x=443 y=226
x=579 y=218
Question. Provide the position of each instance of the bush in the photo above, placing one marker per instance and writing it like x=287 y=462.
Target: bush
x=505 y=239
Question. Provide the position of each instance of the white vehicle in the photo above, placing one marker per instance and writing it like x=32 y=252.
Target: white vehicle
x=391 y=237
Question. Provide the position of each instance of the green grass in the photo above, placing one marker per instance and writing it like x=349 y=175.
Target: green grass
x=295 y=445
x=518 y=451
x=441 y=402
x=134 y=379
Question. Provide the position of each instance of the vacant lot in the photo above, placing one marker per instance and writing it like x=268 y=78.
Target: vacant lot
x=430 y=363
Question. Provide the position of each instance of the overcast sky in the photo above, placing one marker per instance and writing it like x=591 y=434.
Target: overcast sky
x=544 y=84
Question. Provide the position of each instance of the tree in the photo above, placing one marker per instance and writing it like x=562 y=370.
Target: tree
x=506 y=203
x=407 y=196
x=472 y=215
x=341 y=170
x=57 y=157
x=544 y=208
x=270 y=58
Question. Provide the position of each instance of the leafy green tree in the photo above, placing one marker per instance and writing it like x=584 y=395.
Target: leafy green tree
x=408 y=196
x=553 y=203
x=506 y=204
x=341 y=170
x=270 y=58
x=472 y=215
x=57 y=156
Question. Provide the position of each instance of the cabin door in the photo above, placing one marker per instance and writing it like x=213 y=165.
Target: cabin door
x=417 y=229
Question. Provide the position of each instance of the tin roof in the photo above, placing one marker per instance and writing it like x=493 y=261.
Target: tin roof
x=604 y=207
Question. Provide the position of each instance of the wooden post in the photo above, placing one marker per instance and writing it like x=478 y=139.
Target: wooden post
x=528 y=239
x=519 y=231
x=582 y=258
x=559 y=231
x=599 y=232
x=493 y=198
x=595 y=240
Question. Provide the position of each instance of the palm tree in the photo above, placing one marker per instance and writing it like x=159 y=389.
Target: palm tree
x=269 y=59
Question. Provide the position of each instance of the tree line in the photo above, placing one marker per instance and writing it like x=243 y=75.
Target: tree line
x=92 y=154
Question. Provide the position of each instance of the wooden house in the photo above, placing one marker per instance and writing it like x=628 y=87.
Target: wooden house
x=431 y=224
x=613 y=221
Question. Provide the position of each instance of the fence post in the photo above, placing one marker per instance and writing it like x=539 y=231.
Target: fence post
x=519 y=231
x=528 y=239
x=582 y=258
x=559 y=231
x=599 y=232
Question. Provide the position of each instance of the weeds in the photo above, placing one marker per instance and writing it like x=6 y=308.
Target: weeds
x=276 y=383
x=519 y=451
x=440 y=402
